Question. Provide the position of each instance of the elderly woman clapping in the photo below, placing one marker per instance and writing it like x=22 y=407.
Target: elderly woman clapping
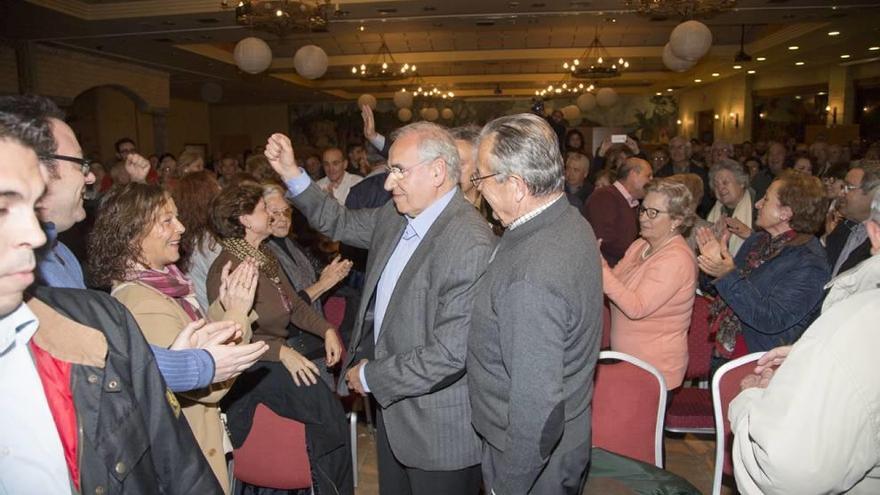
x=771 y=291
x=652 y=288
x=734 y=210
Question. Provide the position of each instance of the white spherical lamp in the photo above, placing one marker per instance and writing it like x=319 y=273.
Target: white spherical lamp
x=404 y=115
x=310 y=61
x=367 y=99
x=586 y=102
x=447 y=113
x=431 y=114
x=571 y=112
x=403 y=99
x=252 y=55
x=674 y=63
x=690 y=40
x=606 y=97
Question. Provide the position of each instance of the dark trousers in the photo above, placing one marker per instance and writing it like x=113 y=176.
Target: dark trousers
x=397 y=479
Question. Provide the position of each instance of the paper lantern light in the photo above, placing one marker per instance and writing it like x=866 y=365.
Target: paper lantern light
x=310 y=61
x=606 y=97
x=690 y=40
x=447 y=113
x=586 y=102
x=571 y=112
x=252 y=55
x=367 y=99
x=674 y=63
x=403 y=99
x=431 y=114
x=404 y=115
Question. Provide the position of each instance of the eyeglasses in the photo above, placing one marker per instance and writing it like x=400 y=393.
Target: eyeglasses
x=476 y=180
x=847 y=187
x=650 y=212
x=286 y=212
x=85 y=164
x=399 y=172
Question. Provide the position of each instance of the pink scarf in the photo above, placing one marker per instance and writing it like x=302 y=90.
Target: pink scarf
x=173 y=284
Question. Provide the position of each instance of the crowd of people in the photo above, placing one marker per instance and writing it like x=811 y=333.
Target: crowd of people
x=174 y=294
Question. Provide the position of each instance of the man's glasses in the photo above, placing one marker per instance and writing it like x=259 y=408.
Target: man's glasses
x=476 y=180
x=650 y=212
x=847 y=188
x=399 y=172
x=84 y=163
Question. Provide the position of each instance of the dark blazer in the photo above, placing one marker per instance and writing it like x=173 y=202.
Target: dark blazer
x=534 y=342
x=835 y=242
x=777 y=301
x=416 y=369
x=613 y=220
x=132 y=435
x=577 y=199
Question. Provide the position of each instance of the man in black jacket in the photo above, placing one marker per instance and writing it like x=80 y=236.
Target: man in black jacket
x=848 y=245
x=86 y=410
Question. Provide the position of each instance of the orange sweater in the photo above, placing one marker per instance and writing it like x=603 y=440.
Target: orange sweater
x=653 y=300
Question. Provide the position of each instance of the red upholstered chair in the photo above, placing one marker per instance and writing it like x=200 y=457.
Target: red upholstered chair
x=690 y=407
x=725 y=387
x=274 y=453
x=629 y=402
x=334 y=310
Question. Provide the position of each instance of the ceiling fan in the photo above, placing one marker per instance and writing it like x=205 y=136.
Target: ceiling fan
x=742 y=56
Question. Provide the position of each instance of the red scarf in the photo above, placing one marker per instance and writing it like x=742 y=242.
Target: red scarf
x=173 y=284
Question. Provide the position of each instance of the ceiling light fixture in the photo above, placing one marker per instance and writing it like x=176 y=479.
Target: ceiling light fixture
x=874 y=48
x=283 y=17
x=698 y=80
x=715 y=74
x=799 y=64
x=833 y=33
x=737 y=67
x=794 y=47
x=383 y=67
x=845 y=56
x=597 y=63
x=751 y=72
x=761 y=59
x=688 y=9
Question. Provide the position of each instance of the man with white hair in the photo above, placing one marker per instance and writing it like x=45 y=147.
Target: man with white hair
x=810 y=426
x=427 y=249
x=537 y=319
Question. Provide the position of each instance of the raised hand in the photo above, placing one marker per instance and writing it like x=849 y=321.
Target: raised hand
x=738 y=228
x=199 y=334
x=369 y=122
x=279 y=151
x=237 y=289
x=333 y=273
x=137 y=167
x=303 y=371
x=231 y=360
x=709 y=245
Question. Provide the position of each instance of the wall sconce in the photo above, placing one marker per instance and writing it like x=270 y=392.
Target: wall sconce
x=762 y=115
x=735 y=118
x=833 y=114
x=678 y=121
x=717 y=117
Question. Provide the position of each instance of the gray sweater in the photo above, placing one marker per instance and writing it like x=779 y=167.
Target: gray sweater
x=534 y=341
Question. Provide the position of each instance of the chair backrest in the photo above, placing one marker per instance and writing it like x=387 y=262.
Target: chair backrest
x=700 y=343
x=725 y=387
x=629 y=406
x=334 y=310
x=274 y=453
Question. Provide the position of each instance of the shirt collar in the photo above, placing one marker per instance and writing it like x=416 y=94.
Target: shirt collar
x=425 y=219
x=18 y=326
x=532 y=214
x=626 y=195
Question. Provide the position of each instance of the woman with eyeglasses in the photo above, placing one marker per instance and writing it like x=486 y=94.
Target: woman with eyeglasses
x=652 y=288
x=284 y=380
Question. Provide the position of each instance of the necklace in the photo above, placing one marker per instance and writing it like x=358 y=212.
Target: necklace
x=648 y=251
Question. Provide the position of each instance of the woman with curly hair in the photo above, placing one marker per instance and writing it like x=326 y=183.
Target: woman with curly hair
x=771 y=291
x=284 y=380
x=199 y=248
x=133 y=248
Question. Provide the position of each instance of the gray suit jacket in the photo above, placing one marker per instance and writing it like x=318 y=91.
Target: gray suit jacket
x=416 y=370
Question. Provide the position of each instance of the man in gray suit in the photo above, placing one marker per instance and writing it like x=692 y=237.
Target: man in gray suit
x=427 y=249
x=537 y=318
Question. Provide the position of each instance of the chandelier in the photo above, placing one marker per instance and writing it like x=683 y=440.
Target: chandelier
x=563 y=89
x=689 y=9
x=383 y=67
x=282 y=16
x=595 y=63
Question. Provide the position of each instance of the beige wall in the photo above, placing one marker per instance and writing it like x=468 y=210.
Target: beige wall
x=730 y=95
x=236 y=127
x=101 y=116
x=189 y=122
